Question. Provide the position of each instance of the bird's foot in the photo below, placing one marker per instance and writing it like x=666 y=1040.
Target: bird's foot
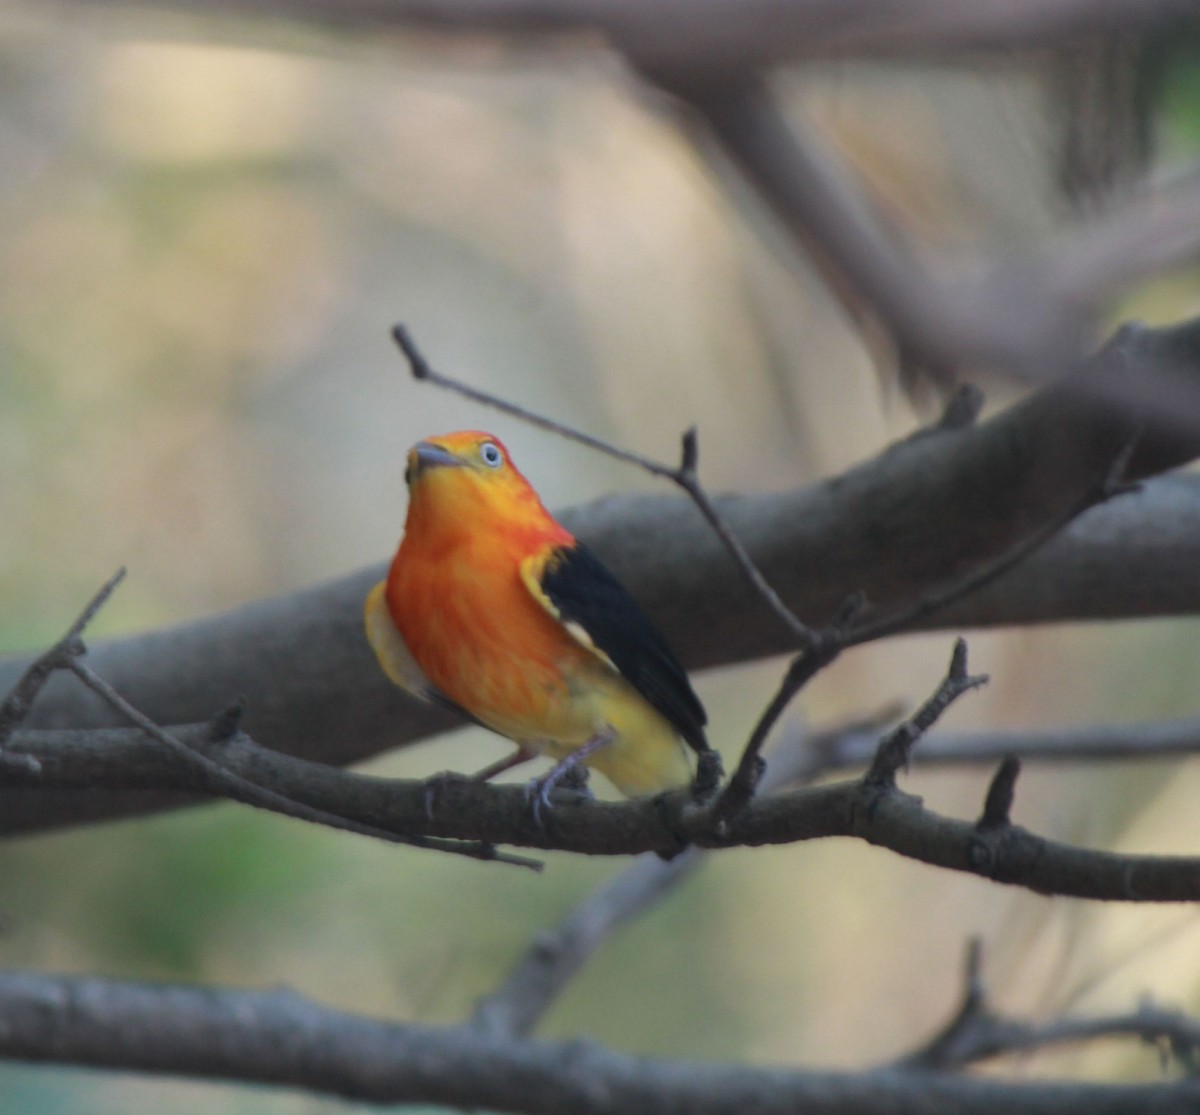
x=570 y=771
x=542 y=793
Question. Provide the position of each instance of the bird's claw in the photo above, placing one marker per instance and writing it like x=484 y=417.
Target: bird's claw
x=569 y=779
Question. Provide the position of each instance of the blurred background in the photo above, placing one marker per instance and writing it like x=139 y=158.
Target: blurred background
x=205 y=236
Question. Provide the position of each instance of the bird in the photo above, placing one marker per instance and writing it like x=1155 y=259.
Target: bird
x=491 y=607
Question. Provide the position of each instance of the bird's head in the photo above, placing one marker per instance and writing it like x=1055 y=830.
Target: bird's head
x=468 y=479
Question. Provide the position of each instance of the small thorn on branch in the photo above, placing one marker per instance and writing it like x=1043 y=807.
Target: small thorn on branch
x=709 y=772
x=416 y=360
x=690 y=459
x=225 y=725
x=96 y=603
x=962 y=409
x=987 y=845
x=19 y=701
x=895 y=748
x=997 y=806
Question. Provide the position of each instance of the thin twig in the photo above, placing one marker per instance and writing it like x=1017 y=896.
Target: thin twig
x=1108 y=485
x=67 y=654
x=251 y=793
x=892 y=754
x=21 y=697
x=977 y=1032
x=555 y=956
x=685 y=475
x=837 y=750
x=743 y=784
x=845 y=632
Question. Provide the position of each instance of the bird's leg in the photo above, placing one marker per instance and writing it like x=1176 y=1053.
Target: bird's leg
x=521 y=755
x=538 y=789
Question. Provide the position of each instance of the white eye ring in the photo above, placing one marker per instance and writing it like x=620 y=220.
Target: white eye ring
x=490 y=452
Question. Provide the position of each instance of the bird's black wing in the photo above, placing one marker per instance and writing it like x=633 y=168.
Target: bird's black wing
x=592 y=603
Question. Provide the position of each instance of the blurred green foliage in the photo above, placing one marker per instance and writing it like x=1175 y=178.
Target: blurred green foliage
x=1180 y=98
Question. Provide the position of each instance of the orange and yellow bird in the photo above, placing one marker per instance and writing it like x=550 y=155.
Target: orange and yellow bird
x=493 y=608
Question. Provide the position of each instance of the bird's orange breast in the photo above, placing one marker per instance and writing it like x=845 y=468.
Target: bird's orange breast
x=481 y=638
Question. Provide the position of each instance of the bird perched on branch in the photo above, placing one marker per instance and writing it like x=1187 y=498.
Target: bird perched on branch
x=494 y=609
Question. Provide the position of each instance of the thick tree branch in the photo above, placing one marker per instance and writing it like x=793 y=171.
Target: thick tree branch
x=467 y=810
x=280 y=1038
x=722 y=35
x=1030 y=316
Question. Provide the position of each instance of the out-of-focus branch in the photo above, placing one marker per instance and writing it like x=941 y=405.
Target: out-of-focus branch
x=837 y=750
x=931 y=320
x=1028 y=316
x=978 y=1031
x=280 y=1038
x=1149 y=233
x=555 y=956
x=718 y=36
x=546 y=968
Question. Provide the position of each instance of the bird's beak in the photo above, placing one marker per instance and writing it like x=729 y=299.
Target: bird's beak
x=426 y=454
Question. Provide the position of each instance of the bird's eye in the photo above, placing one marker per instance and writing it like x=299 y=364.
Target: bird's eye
x=490 y=452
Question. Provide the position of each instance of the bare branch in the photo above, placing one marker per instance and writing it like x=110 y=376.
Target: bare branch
x=227 y=782
x=977 y=1032
x=894 y=749
x=557 y=955
x=1030 y=316
x=724 y=35
x=836 y=750
x=864 y=261
x=19 y=702
x=280 y=1038
x=685 y=476
x=67 y=655
x=500 y=815
x=847 y=630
